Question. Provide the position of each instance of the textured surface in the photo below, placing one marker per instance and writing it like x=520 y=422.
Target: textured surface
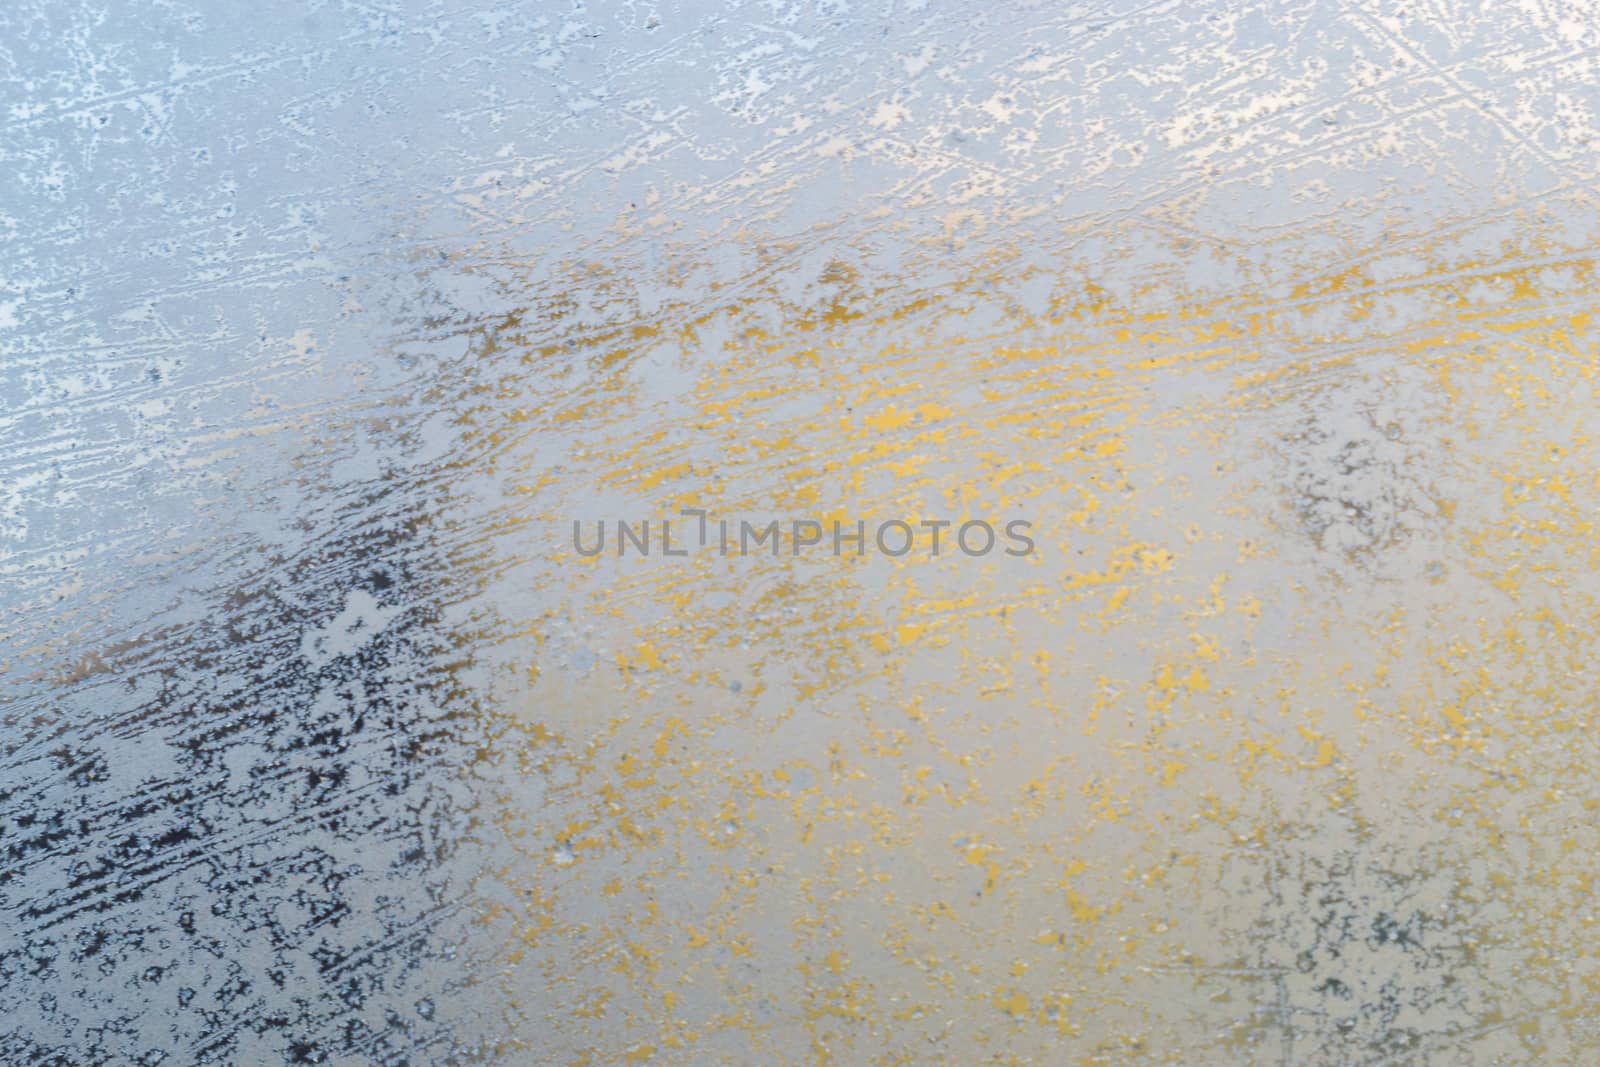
x=320 y=743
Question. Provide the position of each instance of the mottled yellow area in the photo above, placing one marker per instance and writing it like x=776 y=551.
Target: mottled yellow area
x=1279 y=750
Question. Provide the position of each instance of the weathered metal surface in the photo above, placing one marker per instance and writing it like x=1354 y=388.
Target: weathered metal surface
x=322 y=742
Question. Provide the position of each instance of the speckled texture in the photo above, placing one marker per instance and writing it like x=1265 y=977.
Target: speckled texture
x=320 y=327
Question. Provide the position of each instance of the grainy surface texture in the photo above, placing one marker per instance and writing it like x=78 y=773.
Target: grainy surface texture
x=323 y=741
